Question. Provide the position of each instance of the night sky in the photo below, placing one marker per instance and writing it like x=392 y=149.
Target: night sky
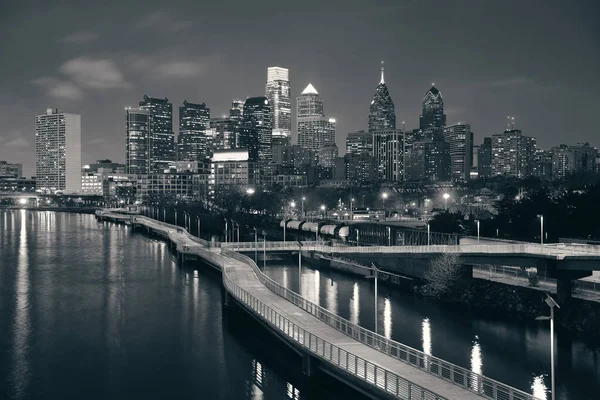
x=536 y=60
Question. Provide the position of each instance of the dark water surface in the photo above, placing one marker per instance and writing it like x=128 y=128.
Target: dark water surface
x=514 y=353
x=91 y=311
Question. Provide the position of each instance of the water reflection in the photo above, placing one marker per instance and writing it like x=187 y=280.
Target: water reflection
x=539 y=388
x=426 y=336
x=387 y=318
x=355 y=304
x=22 y=323
x=476 y=363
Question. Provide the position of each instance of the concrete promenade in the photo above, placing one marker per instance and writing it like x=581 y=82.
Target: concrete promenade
x=371 y=363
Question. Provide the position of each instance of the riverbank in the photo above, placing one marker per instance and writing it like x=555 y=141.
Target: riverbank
x=498 y=300
x=74 y=210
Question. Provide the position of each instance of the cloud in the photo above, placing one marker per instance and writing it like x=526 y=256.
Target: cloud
x=90 y=73
x=162 y=21
x=81 y=37
x=515 y=81
x=166 y=65
x=19 y=142
x=58 y=88
x=182 y=69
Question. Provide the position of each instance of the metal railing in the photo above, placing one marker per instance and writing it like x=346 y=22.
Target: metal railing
x=347 y=362
x=449 y=372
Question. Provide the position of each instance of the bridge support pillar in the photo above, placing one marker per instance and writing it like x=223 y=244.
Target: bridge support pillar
x=309 y=365
x=564 y=291
x=227 y=300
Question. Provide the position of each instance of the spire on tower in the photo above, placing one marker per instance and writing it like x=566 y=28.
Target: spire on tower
x=382 y=81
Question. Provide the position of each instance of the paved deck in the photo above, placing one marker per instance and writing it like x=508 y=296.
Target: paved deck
x=245 y=277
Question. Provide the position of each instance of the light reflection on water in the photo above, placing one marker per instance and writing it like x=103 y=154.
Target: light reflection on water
x=538 y=387
x=476 y=364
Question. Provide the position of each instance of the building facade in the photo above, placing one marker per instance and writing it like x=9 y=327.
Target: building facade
x=433 y=116
x=257 y=130
x=484 y=158
x=162 y=138
x=58 y=151
x=382 y=114
x=8 y=170
x=222 y=134
x=387 y=151
x=360 y=142
x=138 y=126
x=277 y=92
x=513 y=154
x=236 y=115
x=460 y=145
x=233 y=167
x=193 y=139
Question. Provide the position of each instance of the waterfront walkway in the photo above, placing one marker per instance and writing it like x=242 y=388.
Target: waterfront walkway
x=379 y=366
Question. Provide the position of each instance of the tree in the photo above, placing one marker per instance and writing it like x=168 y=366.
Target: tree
x=442 y=275
x=447 y=222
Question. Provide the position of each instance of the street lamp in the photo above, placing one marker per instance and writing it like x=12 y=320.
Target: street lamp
x=551 y=303
x=164 y=214
x=226 y=231
x=249 y=191
x=446 y=197
x=302 y=211
x=541 y=217
x=255 y=245
x=351 y=209
x=175 y=217
x=299 y=264
x=198 y=219
x=264 y=249
x=323 y=210
x=477 y=231
x=374 y=276
x=428 y=234
x=384 y=196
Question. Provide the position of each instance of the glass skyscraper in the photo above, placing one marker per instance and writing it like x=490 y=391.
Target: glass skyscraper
x=236 y=114
x=315 y=130
x=162 y=138
x=256 y=132
x=460 y=143
x=382 y=114
x=433 y=116
x=138 y=128
x=278 y=93
x=194 y=122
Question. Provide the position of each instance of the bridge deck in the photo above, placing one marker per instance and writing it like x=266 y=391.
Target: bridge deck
x=245 y=277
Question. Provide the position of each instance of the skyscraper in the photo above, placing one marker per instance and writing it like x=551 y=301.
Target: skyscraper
x=460 y=142
x=236 y=114
x=360 y=142
x=387 y=150
x=278 y=93
x=222 y=134
x=513 y=153
x=433 y=116
x=194 y=122
x=162 y=138
x=315 y=130
x=58 y=151
x=256 y=130
x=138 y=126
x=382 y=115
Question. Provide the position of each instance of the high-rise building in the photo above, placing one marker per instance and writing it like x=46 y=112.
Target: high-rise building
x=569 y=160
x=162 y=138
x=360 y=142
x=460 y=142
x=194 y=122
x=542 y=164
x=513 y=154
x=484 y=158
x=327 y=156
x=58 y=151
x=387 y=150
x=138 y=127
x=433 y=116
x=382 y=115
x=8 y=170
x=256 y=131
x=278 y=93
x=222 y=133
x=236 y=115
x=315 y=130
x=361 y=168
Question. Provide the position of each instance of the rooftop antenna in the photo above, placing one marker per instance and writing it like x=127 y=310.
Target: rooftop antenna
x=382 y=80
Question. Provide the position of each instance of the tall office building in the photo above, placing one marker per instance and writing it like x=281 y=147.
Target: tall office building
x=58 y=151
x=236 y=114
x=382 y=115
x=432 y=117
x=194 y=122
x=256 y=133
x=222 y=133
x=360 y=142
x=8 y=170
x=138 y=127
x=569 y=160
x=278 y=93
x=315 y=129
x=513 y=154
x=162 y=138
x=387 y=150
x=460 y=142
x=484 y=162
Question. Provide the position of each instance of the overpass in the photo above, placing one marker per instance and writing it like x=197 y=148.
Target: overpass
x=369 y=362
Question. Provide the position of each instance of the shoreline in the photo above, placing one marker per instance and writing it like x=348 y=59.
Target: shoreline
x=71 y=210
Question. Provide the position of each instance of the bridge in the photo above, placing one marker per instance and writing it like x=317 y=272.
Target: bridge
x=369 y=362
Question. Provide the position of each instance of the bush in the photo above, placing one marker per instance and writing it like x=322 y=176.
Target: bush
x=443 y=275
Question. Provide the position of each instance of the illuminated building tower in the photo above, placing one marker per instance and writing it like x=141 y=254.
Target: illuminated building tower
x=382 y=115
x=460 y=143
x=194 y=122
x=433 y=110
x=139 y=130
x=315 y=130
x=278 y=93
x=236 y=114
x=162 y=138
x=256 y=131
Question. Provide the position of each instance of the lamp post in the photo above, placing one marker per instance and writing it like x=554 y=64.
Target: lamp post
x=236 y=228
x=175 y=217
x=164 y=214
x=477 y=231
x=323 y=210
x=428 y=234
x=384 y=196
x=551 y=303
x=299 y=264
x=255 y=245
x=302 y=211
x=446 y=197
x=198 y=219
x=264 y=249
x=389 y=229
x=374 y=276
x=541 y=217
x=226 y=231
x=351 y=209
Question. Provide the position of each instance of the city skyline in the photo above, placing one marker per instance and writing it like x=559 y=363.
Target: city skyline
x=103 y=67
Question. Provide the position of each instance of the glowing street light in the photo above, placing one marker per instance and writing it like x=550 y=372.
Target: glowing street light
x=551 y=303
x=446 y=197
x=384 y=196
x=302 y=211
x=250 y=191
x=541 y=217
